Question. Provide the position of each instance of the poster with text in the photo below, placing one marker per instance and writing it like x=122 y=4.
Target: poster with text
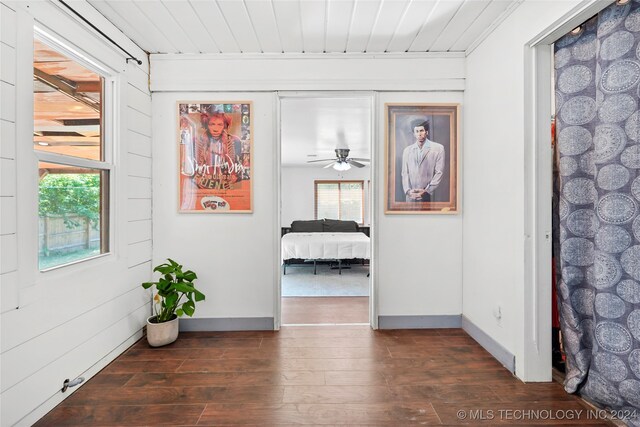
x=215 y=158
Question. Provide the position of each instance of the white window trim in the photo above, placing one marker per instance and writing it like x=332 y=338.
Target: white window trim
x=109 y=130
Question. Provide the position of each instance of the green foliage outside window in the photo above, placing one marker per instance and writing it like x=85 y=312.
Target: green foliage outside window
x=71 y=195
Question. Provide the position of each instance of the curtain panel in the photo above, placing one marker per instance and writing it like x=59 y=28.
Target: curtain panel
x=598 y=136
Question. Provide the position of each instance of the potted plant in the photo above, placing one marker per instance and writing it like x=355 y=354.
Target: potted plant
x=172 y=288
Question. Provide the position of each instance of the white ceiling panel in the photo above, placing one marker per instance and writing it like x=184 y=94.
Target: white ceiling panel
x=438 y=20
x=264 y=22
x=390 y=15
x=485 y=20
x=313 y=18
x=288 y=19
x=195 y=29
x=339 y=15
x=467 y=13
x=364 y=18
x=236 y=13
x=158 y=14
x=216 y=25
x=410 y=24
x=140 y=34
x=305 y=26
x=312 y=128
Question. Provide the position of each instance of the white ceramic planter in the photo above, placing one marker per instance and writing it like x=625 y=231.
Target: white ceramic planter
x=159 y=334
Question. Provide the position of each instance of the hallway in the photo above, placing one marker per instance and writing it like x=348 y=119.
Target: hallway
x=313 y=375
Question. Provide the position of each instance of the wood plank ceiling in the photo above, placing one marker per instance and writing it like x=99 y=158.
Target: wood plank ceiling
x=305 y=26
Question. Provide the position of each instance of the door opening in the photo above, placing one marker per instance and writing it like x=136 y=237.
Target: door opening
x=534 y=355
x=325 y=218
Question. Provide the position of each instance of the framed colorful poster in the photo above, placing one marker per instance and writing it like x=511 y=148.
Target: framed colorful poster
x=421 y=158
x=215 y=157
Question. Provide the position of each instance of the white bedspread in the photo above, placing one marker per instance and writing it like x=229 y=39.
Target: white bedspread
x=325 y=246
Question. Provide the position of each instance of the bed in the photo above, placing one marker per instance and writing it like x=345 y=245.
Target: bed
x=324 y=240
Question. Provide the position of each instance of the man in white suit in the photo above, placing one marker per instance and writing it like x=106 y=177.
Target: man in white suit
x=422 y=165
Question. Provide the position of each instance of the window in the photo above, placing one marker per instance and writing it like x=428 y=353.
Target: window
x=342 y=200
x=73 y=162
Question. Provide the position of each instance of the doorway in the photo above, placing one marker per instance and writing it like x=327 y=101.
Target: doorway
x=325 y=199
x=536 y=346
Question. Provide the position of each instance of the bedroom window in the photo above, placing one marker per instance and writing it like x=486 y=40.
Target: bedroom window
x=74 y=162
x=343 y=200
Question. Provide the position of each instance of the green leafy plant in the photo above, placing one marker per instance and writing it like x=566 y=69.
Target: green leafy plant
x=69 y=195
x=174 y=285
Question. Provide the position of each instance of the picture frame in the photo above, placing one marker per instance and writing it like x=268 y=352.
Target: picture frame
x=215 y=156
x=421 y=158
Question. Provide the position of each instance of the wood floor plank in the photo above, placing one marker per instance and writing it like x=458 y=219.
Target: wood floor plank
x=146 y=396
x=421 y=351
x=438 y=362
x=177 y=395
x=325 y=310
x=225 y=379
x=338 y=394
x=354 y=378
x=331 y=364
x=333 y=342
x=225 y=343
x=122 y=415
x=521 y=392
x=319 y=375
x=253 y=394
x=129 y=366
x=321 y=414
x=410 y=377
x=459 y=340
x=172 y=353
x=440 y=393
x=341 y=331
x=308 y=353
x=229 y=365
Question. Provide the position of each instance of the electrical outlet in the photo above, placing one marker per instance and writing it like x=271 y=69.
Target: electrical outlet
x=497 y=313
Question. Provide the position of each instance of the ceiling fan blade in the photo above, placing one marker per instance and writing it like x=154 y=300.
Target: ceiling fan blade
x=329 y=165
x=321 y=160
x=360 y=159
x=356 y=164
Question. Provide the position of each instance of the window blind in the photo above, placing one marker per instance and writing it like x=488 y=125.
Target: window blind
x=343 y=200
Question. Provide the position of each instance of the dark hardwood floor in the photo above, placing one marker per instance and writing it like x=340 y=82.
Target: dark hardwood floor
x=318 y=375
x=325 y=310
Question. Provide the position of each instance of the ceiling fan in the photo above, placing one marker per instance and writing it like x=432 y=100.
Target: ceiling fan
x=342 y=162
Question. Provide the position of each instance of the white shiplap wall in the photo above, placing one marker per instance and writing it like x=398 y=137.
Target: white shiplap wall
x=74 y=320
x=8 y=243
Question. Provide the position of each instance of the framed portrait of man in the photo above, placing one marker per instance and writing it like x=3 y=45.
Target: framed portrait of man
x=215 y=146
x=421 y=158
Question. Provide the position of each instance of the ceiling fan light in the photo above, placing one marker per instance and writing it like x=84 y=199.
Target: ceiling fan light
x=341 y=166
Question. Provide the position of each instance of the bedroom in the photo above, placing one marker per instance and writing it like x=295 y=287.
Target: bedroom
x=321 y=182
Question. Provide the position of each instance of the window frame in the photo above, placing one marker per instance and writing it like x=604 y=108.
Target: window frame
x=108 y=127
x=339 y=182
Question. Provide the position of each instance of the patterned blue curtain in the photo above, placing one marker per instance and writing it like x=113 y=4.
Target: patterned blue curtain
x=598 y=131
